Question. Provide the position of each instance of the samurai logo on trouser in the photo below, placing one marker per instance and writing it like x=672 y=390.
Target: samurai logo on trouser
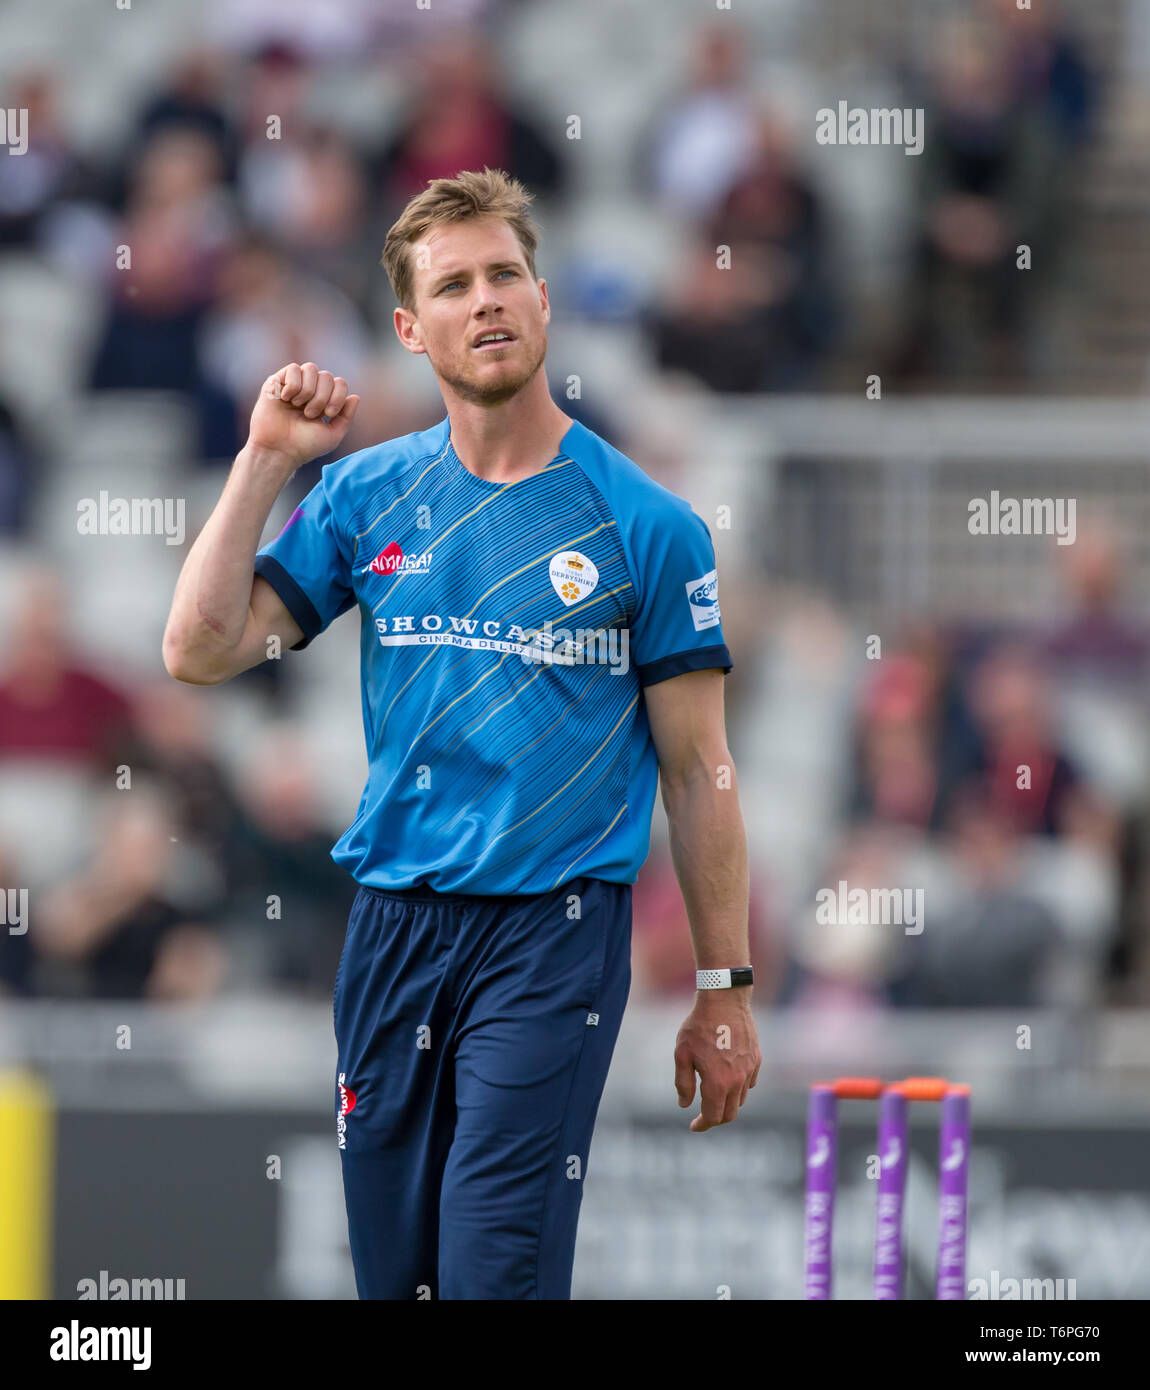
x=346 y=1106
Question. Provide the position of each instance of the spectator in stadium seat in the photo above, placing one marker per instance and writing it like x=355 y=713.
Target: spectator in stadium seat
x=915 y=737
x=994 y=945
x=176 y=749
x=988 y=174
x=283 y=851
x=178 y=223
x=837 y=962
x=50 y=169
x=1029 y=776
x=271 y=310
x=703 y=140
x=715 y=325
x=459 y=116
x=118 y=929
x=1099 y=658
x=766 y=321
x=1050 y=65
x=191 y=98
x=307 y=192
x=897 y=775
x=51 y=705
x=1095 y=642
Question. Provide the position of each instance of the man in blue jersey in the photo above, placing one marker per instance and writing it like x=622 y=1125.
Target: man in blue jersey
x=541 y=646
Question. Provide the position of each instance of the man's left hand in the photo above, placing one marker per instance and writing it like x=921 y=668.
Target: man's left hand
x=718 y=1040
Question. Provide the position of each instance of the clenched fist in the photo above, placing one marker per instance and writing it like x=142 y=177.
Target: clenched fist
x=301 y=413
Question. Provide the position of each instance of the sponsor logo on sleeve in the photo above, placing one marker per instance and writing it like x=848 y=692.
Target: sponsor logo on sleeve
x=703 y=598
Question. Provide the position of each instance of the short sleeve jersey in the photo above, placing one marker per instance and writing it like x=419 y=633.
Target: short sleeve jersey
x=508 y=633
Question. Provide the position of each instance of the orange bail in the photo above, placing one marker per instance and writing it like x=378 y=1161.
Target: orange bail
x=857 y=1087
x=922 y=1087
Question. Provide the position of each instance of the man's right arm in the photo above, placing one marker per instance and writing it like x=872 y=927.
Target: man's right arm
x=222 y=613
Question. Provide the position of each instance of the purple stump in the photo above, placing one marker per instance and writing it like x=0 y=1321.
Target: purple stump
x=893 y=1138
x=819 y=1211
x=953 y=1164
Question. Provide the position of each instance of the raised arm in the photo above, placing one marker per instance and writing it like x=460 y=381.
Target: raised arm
x=222 y=613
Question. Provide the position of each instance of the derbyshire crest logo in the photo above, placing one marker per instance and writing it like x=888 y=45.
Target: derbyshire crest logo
x=573 y=576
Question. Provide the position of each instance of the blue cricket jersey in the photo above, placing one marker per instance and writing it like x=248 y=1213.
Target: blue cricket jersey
x=508 y=630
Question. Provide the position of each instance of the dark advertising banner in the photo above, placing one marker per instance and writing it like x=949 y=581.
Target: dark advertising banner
x=249 y=1205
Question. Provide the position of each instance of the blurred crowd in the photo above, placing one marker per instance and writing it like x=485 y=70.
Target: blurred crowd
x=153 y=869
x=234 y=227
x=233 y=230
x=1003 y=770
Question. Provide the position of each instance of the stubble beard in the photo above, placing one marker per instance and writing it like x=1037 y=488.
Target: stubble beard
x=495 y=394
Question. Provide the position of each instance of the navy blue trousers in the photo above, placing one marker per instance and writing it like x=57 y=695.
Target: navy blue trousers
x=475 y=1035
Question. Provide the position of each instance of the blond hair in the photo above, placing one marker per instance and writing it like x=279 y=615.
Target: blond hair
x=489 y=194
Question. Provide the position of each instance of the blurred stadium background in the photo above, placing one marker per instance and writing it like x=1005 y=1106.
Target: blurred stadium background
x=166 y=1048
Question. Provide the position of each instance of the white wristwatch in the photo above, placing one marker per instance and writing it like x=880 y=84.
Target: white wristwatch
x=724 y=979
